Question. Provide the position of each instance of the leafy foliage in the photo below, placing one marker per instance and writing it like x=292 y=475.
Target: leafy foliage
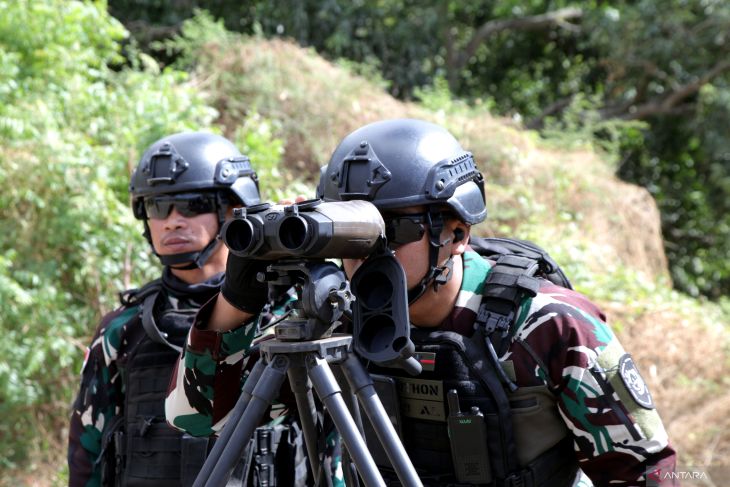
x=249 y=123
x=672 y=70
x=71 y=129
x=74 y=119
x=256 y=135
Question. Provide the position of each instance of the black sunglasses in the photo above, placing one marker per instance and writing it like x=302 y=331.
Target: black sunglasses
x=403 y=229
x=187 y=204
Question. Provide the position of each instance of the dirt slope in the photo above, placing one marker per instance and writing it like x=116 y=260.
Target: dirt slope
x=316 y=103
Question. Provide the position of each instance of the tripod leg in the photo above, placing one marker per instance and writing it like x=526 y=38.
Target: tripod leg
x=349 y=396
x=264 y=392
x=329 y=392
x=233 y=418
x=302 y=390
x=362 y=384
x=348 y=468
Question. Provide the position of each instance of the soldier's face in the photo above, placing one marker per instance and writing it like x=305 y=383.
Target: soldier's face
x=177 y=234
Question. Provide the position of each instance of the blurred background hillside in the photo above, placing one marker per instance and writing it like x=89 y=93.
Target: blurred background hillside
x=601 y=127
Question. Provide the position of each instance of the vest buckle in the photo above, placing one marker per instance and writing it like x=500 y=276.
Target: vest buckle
x=145 y=426
x=119 y=454
x=494 y=321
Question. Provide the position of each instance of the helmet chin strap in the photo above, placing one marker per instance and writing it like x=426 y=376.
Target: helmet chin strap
x=436 y=275
x=195 y=260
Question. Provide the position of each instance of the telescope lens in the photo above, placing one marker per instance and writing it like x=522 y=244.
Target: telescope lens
x=293 y=232
x=375 y=290
x=239 y=236
x=377 y=333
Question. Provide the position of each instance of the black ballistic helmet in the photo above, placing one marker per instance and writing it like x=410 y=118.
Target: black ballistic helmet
x=193 y=162
x=402 y=163
x=405 y=162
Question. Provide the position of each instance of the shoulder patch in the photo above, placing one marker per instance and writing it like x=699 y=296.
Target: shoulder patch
x=634 y=382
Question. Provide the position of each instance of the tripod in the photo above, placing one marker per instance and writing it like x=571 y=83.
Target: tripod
x=303 y=349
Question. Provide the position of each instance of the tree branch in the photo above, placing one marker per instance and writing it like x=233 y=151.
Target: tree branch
x=151 y=32
x=669 y=103
x=555 y=107
x=547 y=20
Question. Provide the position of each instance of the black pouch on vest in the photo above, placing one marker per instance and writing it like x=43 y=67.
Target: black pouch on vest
x=153 y=455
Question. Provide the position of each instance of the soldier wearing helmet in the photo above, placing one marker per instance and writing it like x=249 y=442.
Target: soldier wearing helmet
x=183 y=188
x=520 y=397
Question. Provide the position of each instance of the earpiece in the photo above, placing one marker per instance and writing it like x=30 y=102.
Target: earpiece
x=458 y=235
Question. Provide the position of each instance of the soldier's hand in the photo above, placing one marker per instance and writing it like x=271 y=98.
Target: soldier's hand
x=241 y=288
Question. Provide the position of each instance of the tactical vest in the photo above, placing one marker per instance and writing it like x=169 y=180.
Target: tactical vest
x=494 y=437
x=142 y=449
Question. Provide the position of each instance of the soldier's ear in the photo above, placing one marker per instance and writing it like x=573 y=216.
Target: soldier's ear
x=459 y=236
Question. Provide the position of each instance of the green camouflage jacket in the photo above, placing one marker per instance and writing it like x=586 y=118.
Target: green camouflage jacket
x=617 y=433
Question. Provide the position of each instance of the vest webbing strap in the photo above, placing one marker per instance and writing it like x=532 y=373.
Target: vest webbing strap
x=131 y=297
x=475 y=351
x=150 y=326
x=511 y=279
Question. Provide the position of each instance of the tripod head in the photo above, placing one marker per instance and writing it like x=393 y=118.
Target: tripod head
x=323 y=297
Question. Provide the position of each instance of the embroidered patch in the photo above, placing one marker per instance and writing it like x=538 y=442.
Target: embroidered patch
x=427 y=360
x=634 y=382
x=421 y=399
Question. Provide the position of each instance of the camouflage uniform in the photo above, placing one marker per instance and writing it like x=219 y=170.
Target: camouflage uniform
x=101 y=398
x=211 y=363
x=616 y=438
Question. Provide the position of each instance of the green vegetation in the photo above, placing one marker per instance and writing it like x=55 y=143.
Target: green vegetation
x=70 y=127
x=74 y=118
x=79 y=102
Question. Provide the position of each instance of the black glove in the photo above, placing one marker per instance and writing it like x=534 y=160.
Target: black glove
x=241 y=288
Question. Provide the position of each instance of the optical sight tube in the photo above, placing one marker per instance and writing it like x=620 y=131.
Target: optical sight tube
x=348 y=229
x=242 y=236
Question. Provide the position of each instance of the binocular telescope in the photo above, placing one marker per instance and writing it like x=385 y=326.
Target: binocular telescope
x=310 y=229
